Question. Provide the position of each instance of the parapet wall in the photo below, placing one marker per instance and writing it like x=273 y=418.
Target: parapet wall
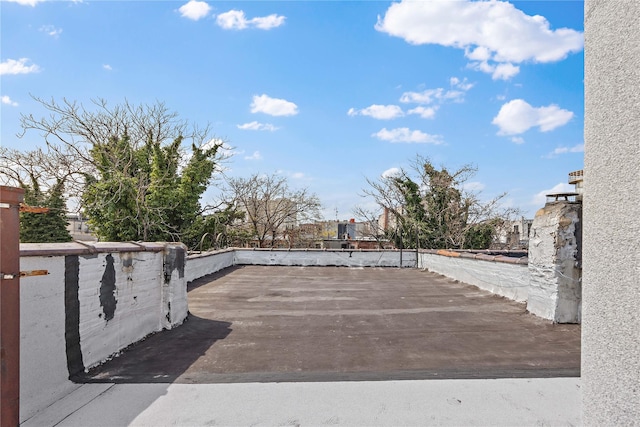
x=326 y=257
x=95 y=300
x=502 y=275
x=81 y=304
x=555 y=290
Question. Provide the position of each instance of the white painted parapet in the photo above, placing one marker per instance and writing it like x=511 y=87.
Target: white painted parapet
x=43 y=363
x=93 y=301
x=203 y=264
x=325 y=257
x=555 y=289
x=500 y=274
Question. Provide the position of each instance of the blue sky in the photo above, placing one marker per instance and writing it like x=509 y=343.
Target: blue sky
x=327 y=93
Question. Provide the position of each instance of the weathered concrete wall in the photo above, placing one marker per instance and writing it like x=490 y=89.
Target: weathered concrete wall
x=43 y=363
x=199 y=265
x=611 y=254
x=555 y=290
x=94 y=301
x=325 y=257
x=509 y=279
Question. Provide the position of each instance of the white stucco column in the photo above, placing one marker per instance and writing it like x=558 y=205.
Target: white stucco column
x=555 y=288
x=611 y=213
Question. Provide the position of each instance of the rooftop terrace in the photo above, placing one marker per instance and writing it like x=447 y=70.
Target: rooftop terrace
x=267 y=323
x=274 y=345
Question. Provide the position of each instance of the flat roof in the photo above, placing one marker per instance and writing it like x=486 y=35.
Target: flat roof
x=276 y=324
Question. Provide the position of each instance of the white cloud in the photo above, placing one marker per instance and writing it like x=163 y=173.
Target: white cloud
x=380 y=112
x=298 y=175
x=431 y=96
x=236 y=20
x=517 y=116
x=502 y=71
x=52 y=31
x=273 y=106
x=8 y=101
x=505 y=71
x=194 y=10
x=424 y=112
x=517 y=139
x=255 y=156
x=578 y=148
x=268 y=22
x=391 y=173
x=460 y=84
x=407 y=135
x=107 y=67
x=473 y=186
x=540 y=198
x=12 y=66
x=428 y=96
x=26 y=2
x=486 y=30
x=219 y=142
x=258 y=126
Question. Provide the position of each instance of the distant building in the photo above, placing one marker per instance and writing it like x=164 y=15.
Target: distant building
x=79 y=228
x=513 y=234
x=348 y=235
x=577 y=179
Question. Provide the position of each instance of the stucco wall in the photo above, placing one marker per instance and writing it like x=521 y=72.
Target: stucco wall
x=43 y=362
x=199 y=265
x=555 y=287
x=507 y=279
x=93 y=301
x=325 y=257
x=611 y=214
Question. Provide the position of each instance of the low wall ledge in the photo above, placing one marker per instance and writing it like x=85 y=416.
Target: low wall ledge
x=88 y=248
x=318 y=250
x=196 y=255
x=484 y=255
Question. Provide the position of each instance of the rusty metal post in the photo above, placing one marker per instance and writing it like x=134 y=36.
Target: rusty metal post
x=10 y=198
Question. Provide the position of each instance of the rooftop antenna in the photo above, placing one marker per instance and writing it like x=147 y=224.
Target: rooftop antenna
x=336 y=214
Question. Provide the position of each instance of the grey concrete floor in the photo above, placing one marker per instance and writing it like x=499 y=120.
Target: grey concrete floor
x=319 y=324
x=497 y=402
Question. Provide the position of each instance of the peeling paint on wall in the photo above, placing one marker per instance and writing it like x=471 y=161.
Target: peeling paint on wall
x=126 y=258
x=108 y=299
x=174 y=259
x=555 y=287
x=75 y=364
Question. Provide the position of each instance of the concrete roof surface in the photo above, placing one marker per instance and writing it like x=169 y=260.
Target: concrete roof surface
x=337 y=346
x=499 y=402
x=263 y=323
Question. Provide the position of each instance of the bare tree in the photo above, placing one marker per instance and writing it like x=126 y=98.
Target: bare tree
x=435 y=208
x=48 y=167
x=375 y=227
x=142 y=168
x=270 y=206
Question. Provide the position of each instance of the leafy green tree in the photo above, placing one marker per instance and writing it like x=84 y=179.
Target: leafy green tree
x=480 y=236
x=46 y=227
x=431 y=208
x=218 y=230
x=143 y=169
x=142 y=193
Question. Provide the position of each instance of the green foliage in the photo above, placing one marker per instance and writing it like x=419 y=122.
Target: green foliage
x=480 y=236
x=49 y=227
x=431 y=209
x=216 y=230
x=143 y=193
